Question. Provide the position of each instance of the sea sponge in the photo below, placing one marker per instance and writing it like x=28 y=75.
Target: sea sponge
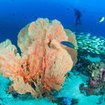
x=44 y=62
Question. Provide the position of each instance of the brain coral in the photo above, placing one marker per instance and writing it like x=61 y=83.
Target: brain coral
x=43 y=63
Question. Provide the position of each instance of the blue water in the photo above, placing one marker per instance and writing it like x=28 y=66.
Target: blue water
x=15 y=14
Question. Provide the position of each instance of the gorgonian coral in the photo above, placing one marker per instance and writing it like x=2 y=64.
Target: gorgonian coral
x=43 y=63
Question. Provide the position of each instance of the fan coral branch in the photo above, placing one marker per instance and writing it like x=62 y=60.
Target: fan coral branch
x=44 y=61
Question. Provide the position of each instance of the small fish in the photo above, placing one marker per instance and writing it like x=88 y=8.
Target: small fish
x=101 y=19
x=68 y=44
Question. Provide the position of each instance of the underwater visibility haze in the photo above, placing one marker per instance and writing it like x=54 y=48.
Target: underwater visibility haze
x=52 y=52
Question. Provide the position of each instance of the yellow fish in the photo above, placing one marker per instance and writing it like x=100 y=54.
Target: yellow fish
x=101 y=19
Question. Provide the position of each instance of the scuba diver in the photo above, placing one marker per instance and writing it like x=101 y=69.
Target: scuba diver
x=78 y=17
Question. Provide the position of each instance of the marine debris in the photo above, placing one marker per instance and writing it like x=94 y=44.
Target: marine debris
x=43 y=63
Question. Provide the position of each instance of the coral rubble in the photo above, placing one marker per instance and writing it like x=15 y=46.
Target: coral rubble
x=43 y=63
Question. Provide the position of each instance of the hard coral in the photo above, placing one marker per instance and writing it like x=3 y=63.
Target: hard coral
x=44 y=62
x=96 y=85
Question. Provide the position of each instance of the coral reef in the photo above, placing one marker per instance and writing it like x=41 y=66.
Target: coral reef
x=43 y=63
x=97 y=78
x=90 y=49
x=96 y=85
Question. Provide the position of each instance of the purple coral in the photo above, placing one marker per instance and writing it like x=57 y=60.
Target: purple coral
x=96 y=84
x=93 y=83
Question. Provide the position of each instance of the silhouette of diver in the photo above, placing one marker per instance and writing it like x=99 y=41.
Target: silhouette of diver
x=78 y=17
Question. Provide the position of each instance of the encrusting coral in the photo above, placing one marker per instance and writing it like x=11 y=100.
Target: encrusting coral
x=44 y=62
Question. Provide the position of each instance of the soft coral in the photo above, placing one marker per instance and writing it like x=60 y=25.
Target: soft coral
x=43 y=62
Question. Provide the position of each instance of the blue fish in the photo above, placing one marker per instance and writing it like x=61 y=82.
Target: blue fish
x=68 y=44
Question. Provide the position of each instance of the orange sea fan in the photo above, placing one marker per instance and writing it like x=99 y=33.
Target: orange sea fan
x=8 y=63
x=20 y=71
x=44 y=61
